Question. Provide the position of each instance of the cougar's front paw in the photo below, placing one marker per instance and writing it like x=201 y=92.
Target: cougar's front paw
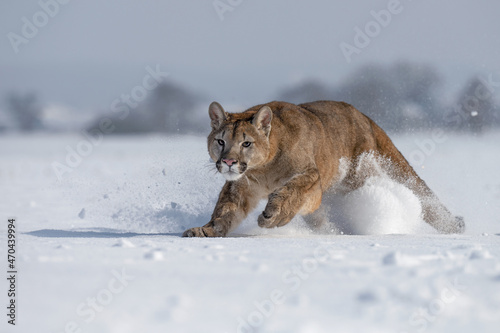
x=268 y=217
x=274 y=215
x=278 y=220
x=198 y=232
x=265 y=221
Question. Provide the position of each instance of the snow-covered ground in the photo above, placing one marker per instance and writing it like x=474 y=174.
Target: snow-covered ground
x=99 y=246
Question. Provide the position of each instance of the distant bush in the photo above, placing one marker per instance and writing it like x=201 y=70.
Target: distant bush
x=25 y=111
x=475 y=109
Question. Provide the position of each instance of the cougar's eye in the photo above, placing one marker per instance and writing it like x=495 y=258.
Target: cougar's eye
x=220 y=142
x=246 y=144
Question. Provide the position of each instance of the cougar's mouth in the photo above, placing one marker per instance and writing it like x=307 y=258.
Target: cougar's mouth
x=233 y=172
x=232 y=175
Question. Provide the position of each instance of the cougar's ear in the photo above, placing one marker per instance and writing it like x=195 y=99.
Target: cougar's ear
x=262 y=119
x=217 y=115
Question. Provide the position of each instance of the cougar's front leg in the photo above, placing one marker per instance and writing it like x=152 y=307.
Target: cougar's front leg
x=301 y=193
x=235 y=202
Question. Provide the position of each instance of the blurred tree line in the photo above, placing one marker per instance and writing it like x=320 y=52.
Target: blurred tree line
x=407 y=96
x=169 y=108
x=399 y=97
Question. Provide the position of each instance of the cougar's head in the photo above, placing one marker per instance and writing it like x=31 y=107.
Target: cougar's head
x=238 y=141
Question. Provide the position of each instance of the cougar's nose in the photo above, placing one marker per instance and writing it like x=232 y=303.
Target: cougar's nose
x=229 y=162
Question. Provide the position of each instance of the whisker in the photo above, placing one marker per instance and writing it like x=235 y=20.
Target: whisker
x=211 y=168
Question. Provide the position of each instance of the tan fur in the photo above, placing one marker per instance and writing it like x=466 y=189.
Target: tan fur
x=294 y=159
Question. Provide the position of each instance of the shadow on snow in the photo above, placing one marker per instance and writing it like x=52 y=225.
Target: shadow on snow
x=99 y=233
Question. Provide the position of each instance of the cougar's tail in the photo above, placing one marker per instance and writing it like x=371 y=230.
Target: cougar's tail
x=434 y=212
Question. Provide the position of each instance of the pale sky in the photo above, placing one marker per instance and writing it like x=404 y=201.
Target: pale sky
x=91 y=51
